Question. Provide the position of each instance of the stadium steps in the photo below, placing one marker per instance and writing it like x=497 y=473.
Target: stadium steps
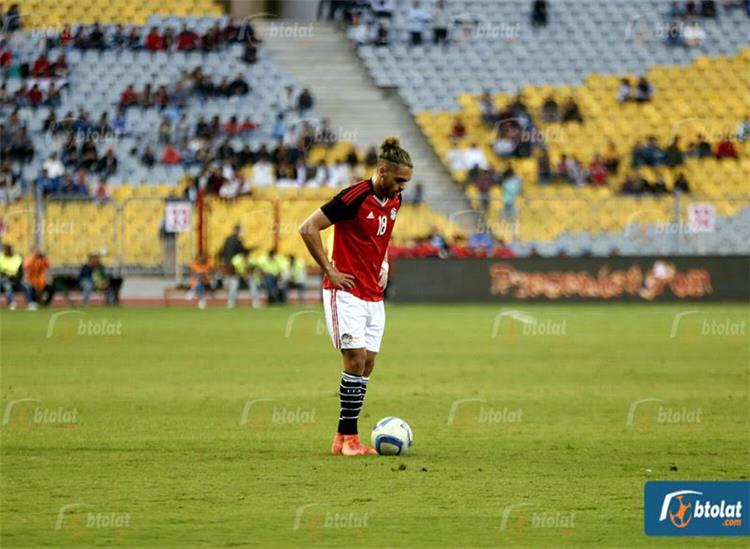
x=357 y=109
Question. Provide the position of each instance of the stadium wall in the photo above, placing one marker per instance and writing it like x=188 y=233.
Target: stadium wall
x=635 y=279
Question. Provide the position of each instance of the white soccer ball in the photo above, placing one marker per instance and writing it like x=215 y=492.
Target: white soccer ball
x=392 y=436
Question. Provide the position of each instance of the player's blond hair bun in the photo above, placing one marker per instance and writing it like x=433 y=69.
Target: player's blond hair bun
x=391 y=151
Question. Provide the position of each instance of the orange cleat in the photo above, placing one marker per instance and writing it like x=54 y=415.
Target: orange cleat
x=338 y=442
x=353 y=447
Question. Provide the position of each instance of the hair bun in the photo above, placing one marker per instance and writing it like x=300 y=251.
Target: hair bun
x=391 y=142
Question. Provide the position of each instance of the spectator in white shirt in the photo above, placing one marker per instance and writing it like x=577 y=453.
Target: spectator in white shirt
x=263 y=175
x=456 y=157
x=54 y=167
x=475 y=158
x=321 y=175
x=417 y=20
x=693 y=35
x=287 y=101
x=339 y=175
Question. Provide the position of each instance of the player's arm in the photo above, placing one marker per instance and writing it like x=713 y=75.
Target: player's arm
x=384 y=268
x=310 y=233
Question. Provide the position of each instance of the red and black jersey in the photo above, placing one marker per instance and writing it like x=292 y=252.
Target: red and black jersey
x=363 y=226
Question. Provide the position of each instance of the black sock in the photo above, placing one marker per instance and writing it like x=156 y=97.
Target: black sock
x=363 y=382
x=350 y=395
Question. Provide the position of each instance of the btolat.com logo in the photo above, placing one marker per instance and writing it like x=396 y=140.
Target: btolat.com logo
x=701 y=508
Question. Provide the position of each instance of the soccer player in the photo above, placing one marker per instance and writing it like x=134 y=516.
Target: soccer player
x=364 y=215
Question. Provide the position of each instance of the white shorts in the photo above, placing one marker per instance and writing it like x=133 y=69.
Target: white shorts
x=352 y=322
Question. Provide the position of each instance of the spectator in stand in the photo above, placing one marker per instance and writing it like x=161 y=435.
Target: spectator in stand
x=550 y=111
x=681 y=184
x=96 y=39
x=21 y=148
x=53 y=96
x=101 y=194
x=539 y=13
x=42 y=67
x=643 y=90
x=11 y=275
x=543 y=166
x=481 y=243
x=440 y=23
x=743 y=129
x=304 y=102
x=597 y=171
x=726 y=149
x=487 y=108
x=511 y=188
x=708 y=8
x=106 y=166
x=154 y=41
x=134 y=38
x=571 y=112
x=129 y=97
x=459 y=249
x=382 y=35
x=611 y=158
x=458 y=130
x=483 y=182
x=673 y=155
x=417 y=19
x=286 y=101
x=35 y=272
x=700 y=149
x=200 y=281
x=624 y=92
x=382 y=8
x=54 y=168
x=693 y=35
x=239 y=86
x=188 y=40
x=148 y=158
x=651 y=153
x=417 y=196
x=633 y=184
x=10 y=187
x=475 y=159
x=35 y=96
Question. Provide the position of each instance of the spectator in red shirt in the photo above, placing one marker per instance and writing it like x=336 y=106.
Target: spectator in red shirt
x=187 y=40
x=41 y=67
x=232 y=127
x=459 y=248
x=171 y=156
x=35 y=95
x=597 y=171
x=458 y=130
x=726 y=149
x=154 y=41
x=60 y=66
x=6 y=55
x=129 y=97
x=501 y=250
x=248 y=126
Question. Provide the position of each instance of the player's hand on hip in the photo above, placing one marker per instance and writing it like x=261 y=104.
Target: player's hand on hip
x=383 y=278
x=342 y=281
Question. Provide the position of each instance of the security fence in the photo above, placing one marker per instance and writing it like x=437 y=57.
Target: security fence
x=133 y=236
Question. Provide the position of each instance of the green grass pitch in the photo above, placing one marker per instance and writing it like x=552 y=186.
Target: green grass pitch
x=534 y=425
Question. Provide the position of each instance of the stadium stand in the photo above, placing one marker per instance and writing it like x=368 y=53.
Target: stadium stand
x=494 y=56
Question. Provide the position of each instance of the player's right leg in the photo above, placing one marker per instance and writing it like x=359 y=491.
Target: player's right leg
x=346 y=318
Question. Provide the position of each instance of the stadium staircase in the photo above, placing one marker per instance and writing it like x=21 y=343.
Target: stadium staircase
x=357 y=109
